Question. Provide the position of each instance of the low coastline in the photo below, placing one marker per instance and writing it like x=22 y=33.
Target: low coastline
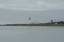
x=33 y=25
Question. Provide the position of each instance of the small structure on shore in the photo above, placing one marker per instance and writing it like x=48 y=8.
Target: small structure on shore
x=30 y=20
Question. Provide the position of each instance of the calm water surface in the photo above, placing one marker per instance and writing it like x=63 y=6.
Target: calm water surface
x=31 y=34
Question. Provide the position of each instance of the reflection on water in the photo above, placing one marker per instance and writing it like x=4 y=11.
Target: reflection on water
x=31 y=34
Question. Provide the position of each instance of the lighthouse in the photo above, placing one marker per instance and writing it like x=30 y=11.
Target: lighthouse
x=29 y=20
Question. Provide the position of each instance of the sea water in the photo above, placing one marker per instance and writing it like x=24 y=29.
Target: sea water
x=31 y=33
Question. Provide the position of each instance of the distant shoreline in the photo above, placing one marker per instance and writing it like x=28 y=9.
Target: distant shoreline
x=33 y=25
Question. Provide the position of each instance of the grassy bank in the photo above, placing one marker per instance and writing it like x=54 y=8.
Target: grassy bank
x=33 y=25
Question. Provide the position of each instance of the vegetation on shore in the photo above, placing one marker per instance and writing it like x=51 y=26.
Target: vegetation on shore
x=33 y=25
x=60 y=23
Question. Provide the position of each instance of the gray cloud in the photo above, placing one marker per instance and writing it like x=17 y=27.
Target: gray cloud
x=36 y=5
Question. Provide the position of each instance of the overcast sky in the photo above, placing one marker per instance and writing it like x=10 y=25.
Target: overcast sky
x=32 y=5
x=39 y=10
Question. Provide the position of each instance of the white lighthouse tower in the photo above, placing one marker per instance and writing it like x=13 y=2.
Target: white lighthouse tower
x=30 y=20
